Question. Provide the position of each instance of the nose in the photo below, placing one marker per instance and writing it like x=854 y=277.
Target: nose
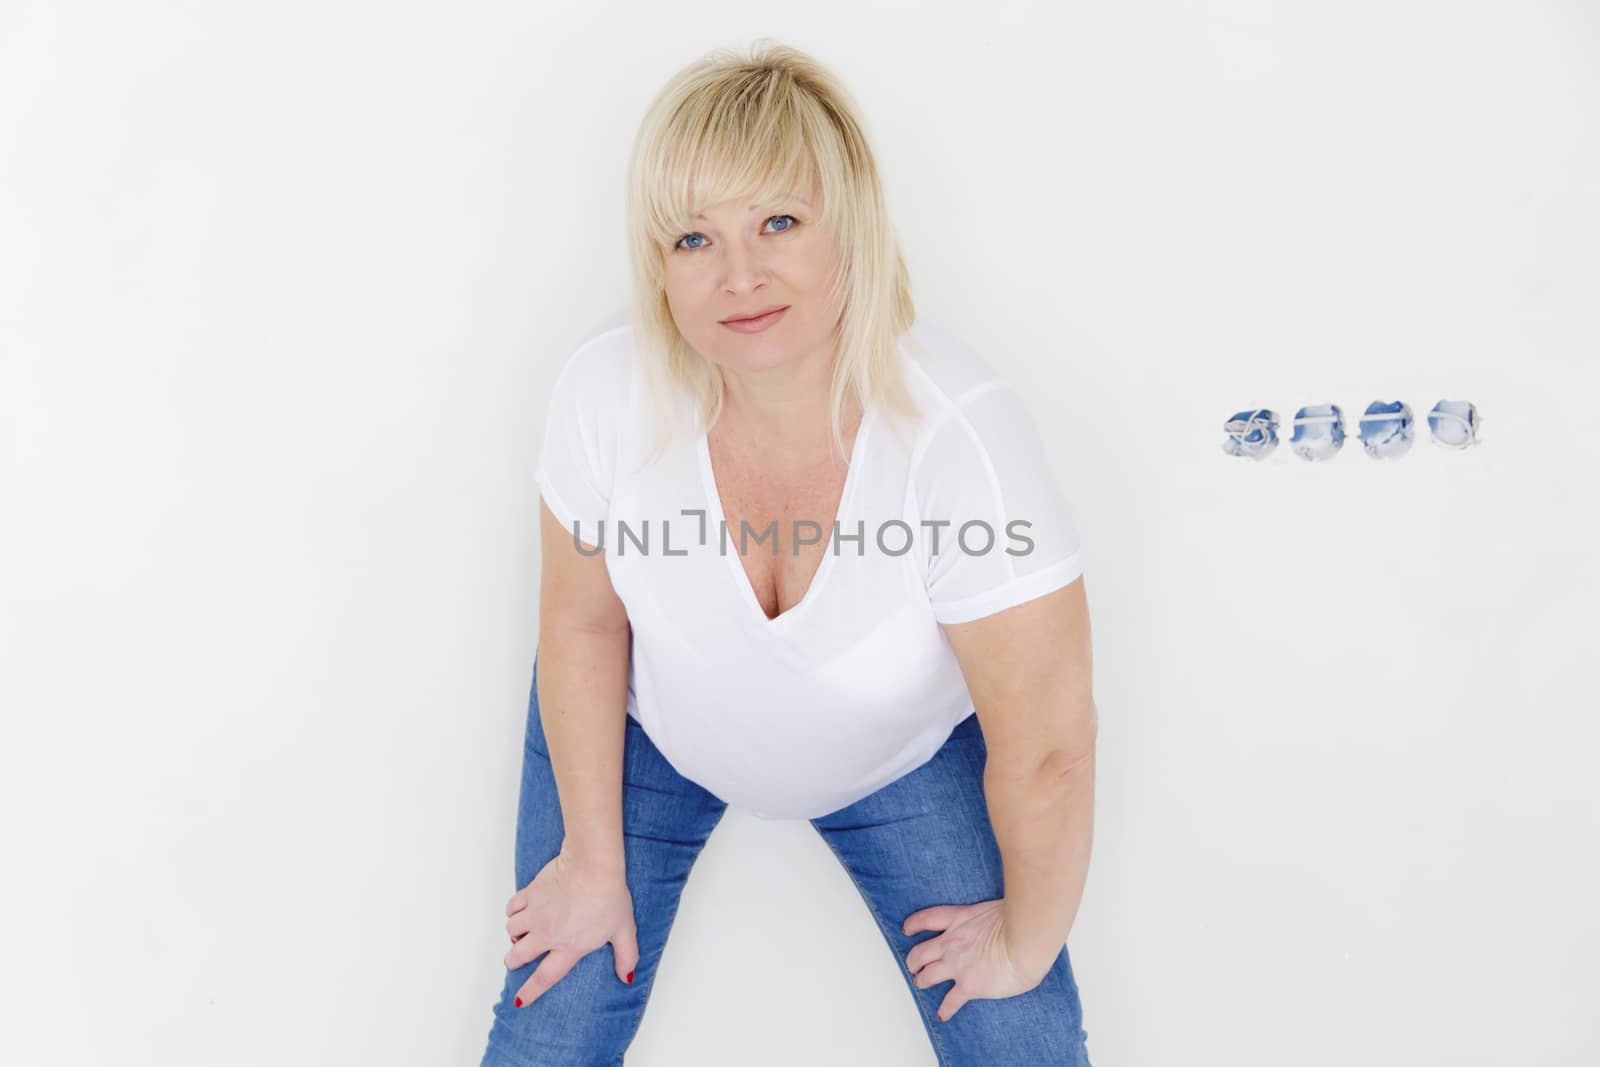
x=744 y=268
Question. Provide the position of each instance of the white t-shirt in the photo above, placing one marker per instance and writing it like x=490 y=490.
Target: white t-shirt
x=856 y=685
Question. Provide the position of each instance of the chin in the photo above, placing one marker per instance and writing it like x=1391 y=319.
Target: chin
x=757 y=357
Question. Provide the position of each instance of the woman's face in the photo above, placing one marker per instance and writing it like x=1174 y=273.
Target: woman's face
x=741 y=259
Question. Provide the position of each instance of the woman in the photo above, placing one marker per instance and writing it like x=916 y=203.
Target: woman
x=901 y=658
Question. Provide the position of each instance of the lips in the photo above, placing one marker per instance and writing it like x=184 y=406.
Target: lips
x=760 y=323
x=756 y=314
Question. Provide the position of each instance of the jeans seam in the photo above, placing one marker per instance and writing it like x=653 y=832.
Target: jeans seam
x=938 y=1046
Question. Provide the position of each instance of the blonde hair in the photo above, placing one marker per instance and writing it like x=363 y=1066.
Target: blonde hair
x=762 y=126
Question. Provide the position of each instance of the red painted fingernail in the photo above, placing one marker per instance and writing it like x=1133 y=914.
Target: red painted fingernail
x=630 y=976
x=519 y=1002
x=941 y=1016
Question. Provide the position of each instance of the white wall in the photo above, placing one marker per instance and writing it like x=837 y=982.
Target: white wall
x=282 y=291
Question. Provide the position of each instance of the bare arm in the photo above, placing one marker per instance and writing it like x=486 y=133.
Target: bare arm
x=584 y=641
x=1030 y=672
x=579 y=900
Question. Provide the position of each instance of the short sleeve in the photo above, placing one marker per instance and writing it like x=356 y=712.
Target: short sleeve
x=984 y=486
x=578 y=458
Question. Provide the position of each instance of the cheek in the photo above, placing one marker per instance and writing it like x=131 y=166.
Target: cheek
x=683 y=294
x=689 y=284
x=815 y=263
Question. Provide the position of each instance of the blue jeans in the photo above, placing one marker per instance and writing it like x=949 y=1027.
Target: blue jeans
x=921 y=840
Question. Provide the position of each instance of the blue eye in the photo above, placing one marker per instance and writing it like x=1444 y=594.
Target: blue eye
x=770 y=218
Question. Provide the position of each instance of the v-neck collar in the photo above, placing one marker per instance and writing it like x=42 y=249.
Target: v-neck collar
x=819 y=579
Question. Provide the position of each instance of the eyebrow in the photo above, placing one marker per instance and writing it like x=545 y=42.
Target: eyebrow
x=797 y=199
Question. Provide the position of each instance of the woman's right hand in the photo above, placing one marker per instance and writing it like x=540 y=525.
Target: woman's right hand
x=567 y=911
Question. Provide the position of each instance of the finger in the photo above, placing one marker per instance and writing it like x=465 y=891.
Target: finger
x=551 y=970
x=519 y=924
x=934 y=973
x=625 y=950
x=938 y=917
x=953 y=1001
x=518 y=901
x=924 y=953
x=525 y=950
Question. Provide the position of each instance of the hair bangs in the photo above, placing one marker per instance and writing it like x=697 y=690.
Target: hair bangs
x=743 y=141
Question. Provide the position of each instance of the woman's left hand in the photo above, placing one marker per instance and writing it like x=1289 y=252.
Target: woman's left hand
x=974 y=950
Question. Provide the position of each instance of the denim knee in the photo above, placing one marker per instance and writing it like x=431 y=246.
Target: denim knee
x=587 y=1019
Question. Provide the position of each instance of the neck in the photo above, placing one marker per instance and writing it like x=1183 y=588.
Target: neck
x=789 y=402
